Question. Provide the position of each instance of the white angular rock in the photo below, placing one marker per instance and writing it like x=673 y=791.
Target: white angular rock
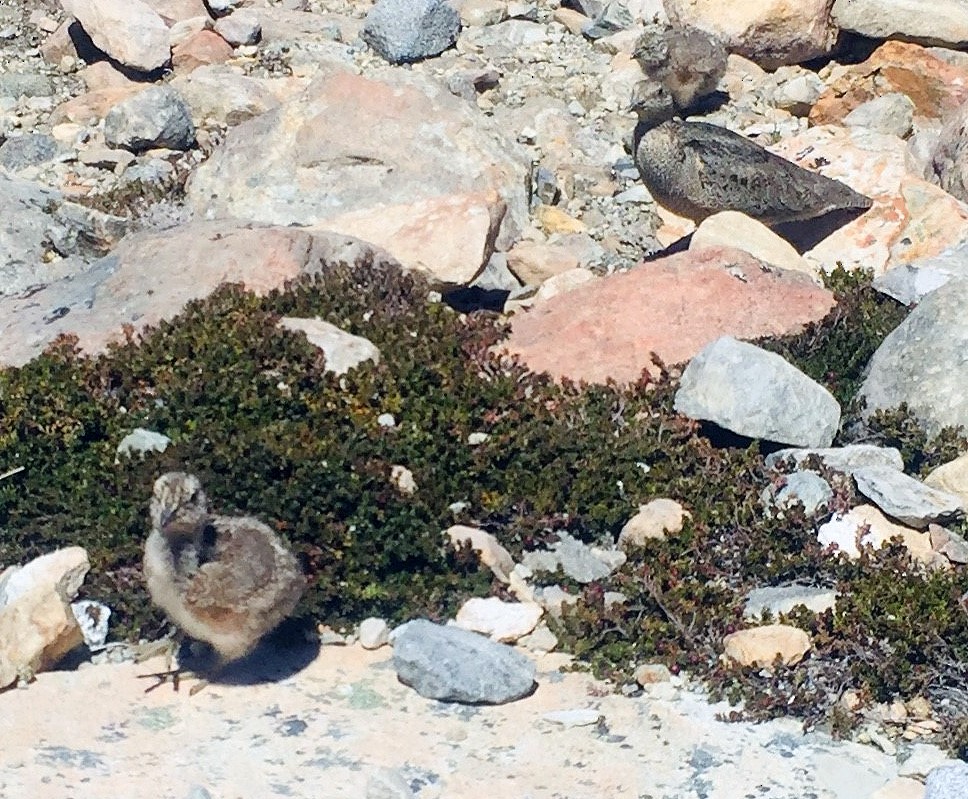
x=501 y=621
x=735 y=229
x=491 y=553
x=129 y=31
x=784 y=598
x=577 y=717
x=139 y=441
x=93 y=619
x=343 y=350
x=373 y=633
x=62 y=571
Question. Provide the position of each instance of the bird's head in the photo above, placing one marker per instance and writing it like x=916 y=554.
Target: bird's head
x=178 y=504
x=651 y=103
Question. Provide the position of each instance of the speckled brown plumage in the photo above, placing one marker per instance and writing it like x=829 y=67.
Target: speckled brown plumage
x=696 y=169
x=223 y=580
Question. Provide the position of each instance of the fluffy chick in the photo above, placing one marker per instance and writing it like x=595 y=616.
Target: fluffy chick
x=225 y=580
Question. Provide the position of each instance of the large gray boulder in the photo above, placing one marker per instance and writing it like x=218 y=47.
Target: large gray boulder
x=155 y=117
x=403 y=31
x=947 y=782
x=758 y=394
x=456 y=665
x=924 y=362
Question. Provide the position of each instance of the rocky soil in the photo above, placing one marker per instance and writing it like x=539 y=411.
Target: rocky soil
x=152 y=151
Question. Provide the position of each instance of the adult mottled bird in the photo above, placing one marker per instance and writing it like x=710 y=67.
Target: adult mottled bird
x=224 y=580
x=696 y=169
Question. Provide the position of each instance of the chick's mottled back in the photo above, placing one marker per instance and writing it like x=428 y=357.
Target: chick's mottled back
x=223 y=580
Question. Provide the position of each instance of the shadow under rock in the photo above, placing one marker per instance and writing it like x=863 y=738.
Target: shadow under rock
x=474 y=298
x=287 y=650
x=809 y=233
x=721 y=438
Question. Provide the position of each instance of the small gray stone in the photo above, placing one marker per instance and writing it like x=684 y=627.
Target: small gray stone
x=155 y=117
x=840 y=459
x=28 y=150
x=545 y=187
x=756 y=393
x=404 y=31
x=891 y=113
x=240 y=28
x=455 y=665
x=784 y=598
x=613 y=17
x=947 y=782
x=807 y=489
x=373 y=633
x=25 y=84
x=576 y=559
x=908 y=500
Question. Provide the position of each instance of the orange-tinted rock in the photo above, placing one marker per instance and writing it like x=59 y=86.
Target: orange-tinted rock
x=90 y=107
x=910 y=219
x=934 y=86
x=673 y=307
x=204 y=47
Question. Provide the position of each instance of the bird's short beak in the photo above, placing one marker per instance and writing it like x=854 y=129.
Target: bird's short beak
x=166 y=516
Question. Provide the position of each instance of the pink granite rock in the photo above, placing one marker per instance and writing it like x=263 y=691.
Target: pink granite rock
x=673 y=307
x=204 y=47
x=151 y=275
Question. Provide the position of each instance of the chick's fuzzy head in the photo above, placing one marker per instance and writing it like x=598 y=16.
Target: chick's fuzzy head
x=177 y=500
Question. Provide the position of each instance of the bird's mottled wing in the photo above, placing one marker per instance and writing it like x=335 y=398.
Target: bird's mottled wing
x=739 y=175
x=223 y=588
